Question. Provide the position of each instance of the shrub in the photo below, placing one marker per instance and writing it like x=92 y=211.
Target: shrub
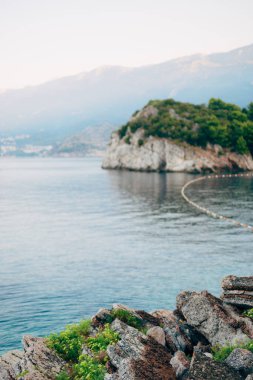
x=89 y=369
x=140 y=142
x=62 y=376
x=249 y=313
x=22 y=374
x=250 y=111
x=128 y=140
x=68 y=343
x=102 y=339
x=241 y=146
x=128 y=318
x=122 y=131
x=220 y=353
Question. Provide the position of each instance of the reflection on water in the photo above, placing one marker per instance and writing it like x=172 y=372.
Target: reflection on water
x=75 y=238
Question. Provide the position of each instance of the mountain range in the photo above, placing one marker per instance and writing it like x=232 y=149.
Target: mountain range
x=109 y=95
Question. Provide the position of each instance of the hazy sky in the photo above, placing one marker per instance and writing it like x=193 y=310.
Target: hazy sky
x=45 y=39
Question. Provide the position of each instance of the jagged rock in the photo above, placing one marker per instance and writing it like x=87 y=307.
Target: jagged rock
x=157 y=334
x=175 y=338
x=241 y=360
x=10 y=366
x=39 y=361
x=148 y=319
x=137 y=356
x=181 y=365
x=239 y=298
x=101 y=317
x=204 y=368
x=179 y=335
x=238 y=291
x=249 y=377
x=219 y=323
x=237 y=283
x=117 y=306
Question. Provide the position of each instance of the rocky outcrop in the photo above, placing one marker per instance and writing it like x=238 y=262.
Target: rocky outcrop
x=39 y=361
x=203 y=367
x=218 y=322
x=161 y=345
x=10 y=365
x=238 y=291
x=135 y=152
x=179 y=335
x=35 y=362
x=137 y=356
x=241 y=360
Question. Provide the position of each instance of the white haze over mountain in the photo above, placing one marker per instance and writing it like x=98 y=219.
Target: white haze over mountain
x=110 y=94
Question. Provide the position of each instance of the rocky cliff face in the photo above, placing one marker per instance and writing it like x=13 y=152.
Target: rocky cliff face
x=134 y=152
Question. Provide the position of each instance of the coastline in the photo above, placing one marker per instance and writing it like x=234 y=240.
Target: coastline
x=205 y=337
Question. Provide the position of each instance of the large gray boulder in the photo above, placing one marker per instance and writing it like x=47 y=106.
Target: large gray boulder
x=204 y=368
x=219 y=323
x=39 y=362
x=241 y=360
x=179 y=335
x=137 y=356
x=10 y=365
x=36 y=362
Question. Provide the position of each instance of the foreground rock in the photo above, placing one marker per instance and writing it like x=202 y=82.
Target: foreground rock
x=137 y=356
x=36 y=362
x=238 y=291
x=218 y=322
x=203 y=368
x=181 y=365
x=10 y=365
x=241 y=360
x=160 y=154
x=39 y=361
x=179 y=335
x=162 y=345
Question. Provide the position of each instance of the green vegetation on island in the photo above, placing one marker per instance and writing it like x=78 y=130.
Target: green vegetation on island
x=220 y=123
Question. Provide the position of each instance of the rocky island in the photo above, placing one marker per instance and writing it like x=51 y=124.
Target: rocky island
x=172 y=136
x=204 y=338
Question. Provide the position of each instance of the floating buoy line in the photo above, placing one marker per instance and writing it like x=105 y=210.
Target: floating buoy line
x=209 y=212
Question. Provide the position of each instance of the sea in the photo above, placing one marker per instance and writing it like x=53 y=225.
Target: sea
x=75 y=238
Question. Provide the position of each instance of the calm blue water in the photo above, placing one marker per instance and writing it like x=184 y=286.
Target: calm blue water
x=75 y=238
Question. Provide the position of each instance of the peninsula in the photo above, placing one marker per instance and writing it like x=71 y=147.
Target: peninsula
x=172 y=136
